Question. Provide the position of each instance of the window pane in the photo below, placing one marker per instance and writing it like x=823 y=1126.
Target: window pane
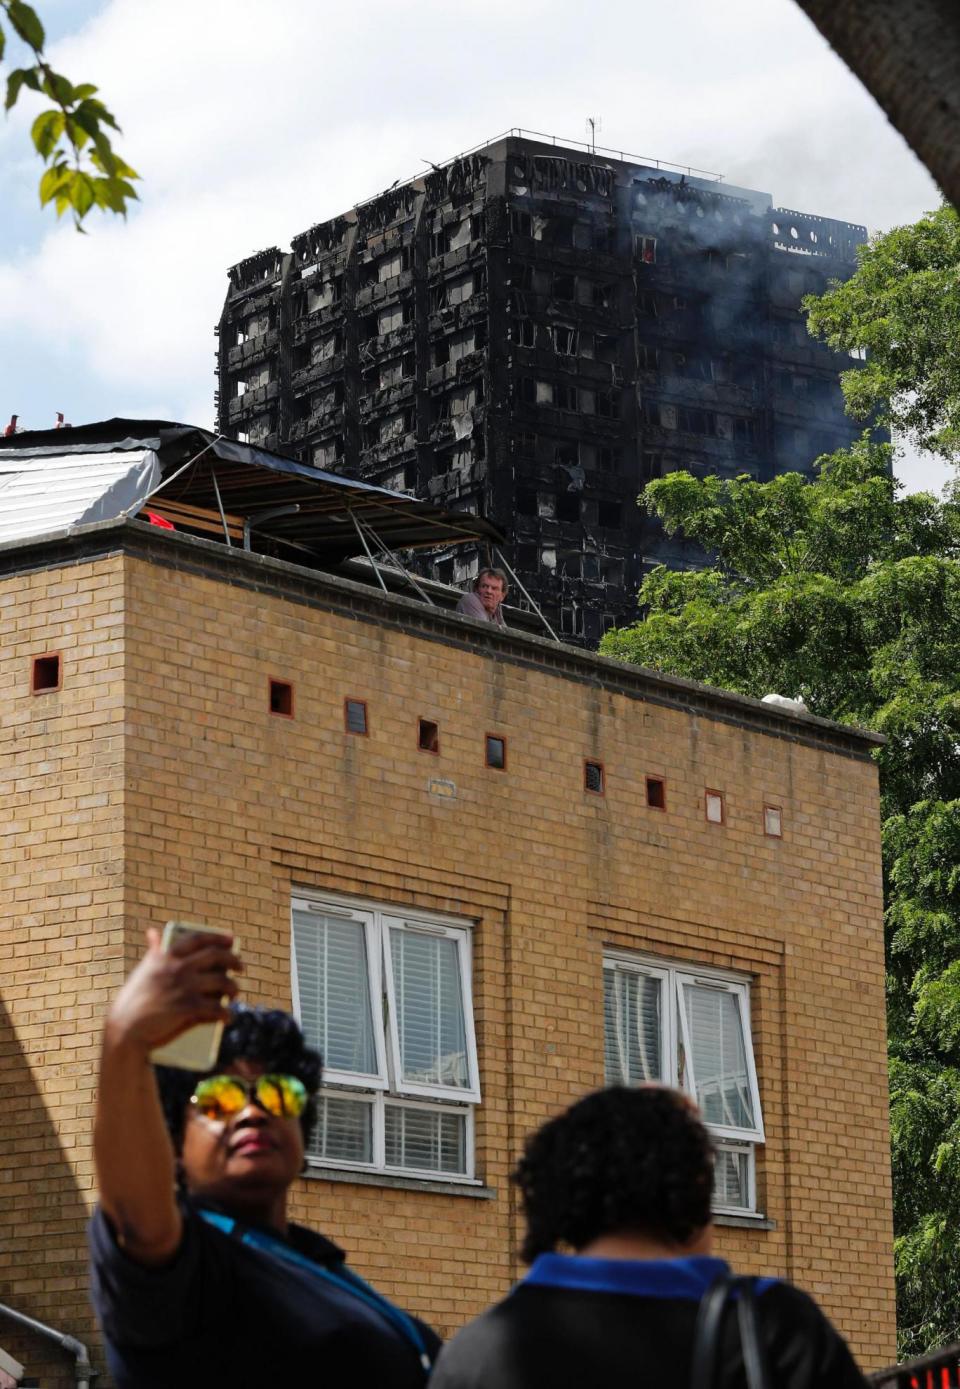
x=715 y=1027
x=427 y=1139
x=732 y=1178
x=632 y=1029
x=344 y=1130
x=429 y=998
x=334 y=987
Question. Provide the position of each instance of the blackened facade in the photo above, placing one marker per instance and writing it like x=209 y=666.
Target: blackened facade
x=533 y=332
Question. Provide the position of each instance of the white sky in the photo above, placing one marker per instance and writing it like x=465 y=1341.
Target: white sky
x=251 y=121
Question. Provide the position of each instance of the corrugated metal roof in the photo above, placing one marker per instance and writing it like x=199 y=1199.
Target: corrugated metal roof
x=39 y=495
x=207 y=485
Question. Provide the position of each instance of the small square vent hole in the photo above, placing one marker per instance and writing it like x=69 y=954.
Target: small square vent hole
x=45 y=674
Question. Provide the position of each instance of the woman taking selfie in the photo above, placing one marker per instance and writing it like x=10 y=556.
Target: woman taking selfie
x=198 y=1278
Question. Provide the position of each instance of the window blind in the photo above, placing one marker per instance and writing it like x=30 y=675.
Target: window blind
x=715 y=1031
x=633 y=1030
x=333 y=982
x=429 y=1000
x=428 y=1140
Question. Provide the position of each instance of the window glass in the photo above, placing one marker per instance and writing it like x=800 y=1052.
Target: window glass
x=714 y=1032
x=344 y=1130
x=428 y=1140
x=333 y=979
x=678 y=1028
x=388 y=1002
x=731 y=1177
x=429 y=1002
x=633 y=1027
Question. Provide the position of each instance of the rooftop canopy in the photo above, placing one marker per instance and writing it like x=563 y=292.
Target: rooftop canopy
x=211 y=486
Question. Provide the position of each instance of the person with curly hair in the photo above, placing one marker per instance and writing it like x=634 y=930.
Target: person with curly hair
x=198 y=1276
x=617 y=1195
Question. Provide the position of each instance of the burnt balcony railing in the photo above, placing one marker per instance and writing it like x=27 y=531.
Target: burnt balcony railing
x=941 y=1370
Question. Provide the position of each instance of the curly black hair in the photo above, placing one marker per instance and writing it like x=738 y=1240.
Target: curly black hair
x=621 y=1160
x=265 y=1035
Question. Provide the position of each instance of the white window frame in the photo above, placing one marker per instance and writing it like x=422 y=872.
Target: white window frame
x=379 y=1080
x=388 y=1087
x=676 y=1052
x=400 y=1087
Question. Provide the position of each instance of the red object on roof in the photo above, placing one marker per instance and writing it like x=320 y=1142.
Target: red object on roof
x=161 y=521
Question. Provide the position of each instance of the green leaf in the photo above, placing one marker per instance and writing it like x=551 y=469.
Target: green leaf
x=27 y=24
x=20 y=77
x=53 y=182
x=77 y=136
x=46 y=131
x=58 y=88
x=85 y=89
x=3 y=42
x=82 y=194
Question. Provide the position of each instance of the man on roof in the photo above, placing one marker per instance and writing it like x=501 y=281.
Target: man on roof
x=486 y=600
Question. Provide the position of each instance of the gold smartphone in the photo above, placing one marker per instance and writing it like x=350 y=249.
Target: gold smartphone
x=197 y=1048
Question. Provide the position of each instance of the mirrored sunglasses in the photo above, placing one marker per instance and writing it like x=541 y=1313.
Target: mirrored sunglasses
x=221 y=1097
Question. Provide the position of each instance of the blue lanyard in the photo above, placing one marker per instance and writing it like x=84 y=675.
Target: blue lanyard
x=344 y=1278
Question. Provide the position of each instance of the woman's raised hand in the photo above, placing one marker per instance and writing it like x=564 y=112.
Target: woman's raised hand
x=172 y=990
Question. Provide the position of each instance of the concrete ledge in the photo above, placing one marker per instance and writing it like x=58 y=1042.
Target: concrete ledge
x=745 y=1222
x=436 y=1188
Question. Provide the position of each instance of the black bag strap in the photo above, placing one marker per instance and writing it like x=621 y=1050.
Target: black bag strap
x=706 y=1337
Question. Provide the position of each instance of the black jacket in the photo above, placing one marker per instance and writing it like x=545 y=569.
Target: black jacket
x=578 y=1323
x=225 y=1313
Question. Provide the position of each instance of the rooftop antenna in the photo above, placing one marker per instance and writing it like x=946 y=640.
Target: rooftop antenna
x=594 y=127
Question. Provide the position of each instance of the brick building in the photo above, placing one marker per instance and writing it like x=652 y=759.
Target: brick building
x=531 y=333
x=521 y=867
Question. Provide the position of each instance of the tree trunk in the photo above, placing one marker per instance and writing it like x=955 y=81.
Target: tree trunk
x=907 y=55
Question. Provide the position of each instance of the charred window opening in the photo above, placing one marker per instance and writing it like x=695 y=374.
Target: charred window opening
x=524 y=332
x=526 y=502
x=567 y=507
x=565 y=339
x=564 y=288
x=645 y=248
x=571 y=620
x=744 y=431
x=608 y=514
x=611 y=571
x=694 y=421
x=328 y=454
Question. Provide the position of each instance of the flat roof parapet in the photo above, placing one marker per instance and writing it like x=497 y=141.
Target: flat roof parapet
x=319 y=589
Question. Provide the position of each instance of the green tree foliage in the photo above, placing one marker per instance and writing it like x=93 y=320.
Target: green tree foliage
x=71 y=135
x=847 y=593
x=903 y=308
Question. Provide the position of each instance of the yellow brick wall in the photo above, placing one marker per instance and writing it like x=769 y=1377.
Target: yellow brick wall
x=61 y=933
x=227 y=808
